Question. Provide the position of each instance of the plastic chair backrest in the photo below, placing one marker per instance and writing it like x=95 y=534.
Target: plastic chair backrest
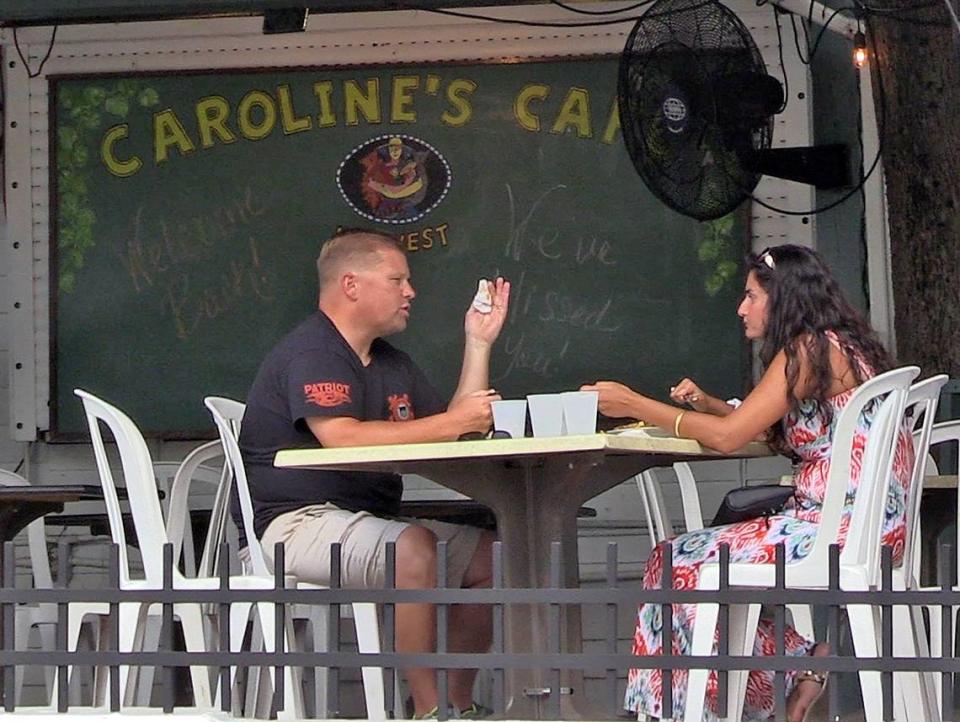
x=690 y=496
x=140 y=483
x=228 y=414
x=863 y=537
x=654 y=510
x=944 y=433
x=659 y=526
x=877 y=460
x=36 y=538
x=921 y=409
x=178 y=509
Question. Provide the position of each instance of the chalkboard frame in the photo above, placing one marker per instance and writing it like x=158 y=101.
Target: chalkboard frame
x=54 y=433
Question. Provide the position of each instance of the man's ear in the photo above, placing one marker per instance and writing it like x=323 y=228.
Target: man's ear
x=350 y=285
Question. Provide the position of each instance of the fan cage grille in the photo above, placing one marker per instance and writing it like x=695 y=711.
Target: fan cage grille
x=683 y=64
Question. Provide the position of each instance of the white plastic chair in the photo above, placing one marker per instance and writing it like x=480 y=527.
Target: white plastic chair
x=42 y=616
x=946 y=432
x=228 y=414
x=859 y=559
x=195 y=467
x=178 y=480
x=920 y=690
x=152 y=536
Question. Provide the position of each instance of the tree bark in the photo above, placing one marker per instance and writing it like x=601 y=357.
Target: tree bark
x=916 y=80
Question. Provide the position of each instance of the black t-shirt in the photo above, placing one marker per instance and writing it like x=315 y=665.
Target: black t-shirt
x=314 y=372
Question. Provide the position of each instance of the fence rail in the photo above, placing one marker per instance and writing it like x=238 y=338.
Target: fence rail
x=610 y=598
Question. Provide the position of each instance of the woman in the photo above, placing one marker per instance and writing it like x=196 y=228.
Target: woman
x=815 y=350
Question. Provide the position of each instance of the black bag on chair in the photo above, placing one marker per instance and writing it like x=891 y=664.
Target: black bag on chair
x=752 y=502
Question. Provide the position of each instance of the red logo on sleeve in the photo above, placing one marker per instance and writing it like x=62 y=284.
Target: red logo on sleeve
x=400 y=407
x=327 y=393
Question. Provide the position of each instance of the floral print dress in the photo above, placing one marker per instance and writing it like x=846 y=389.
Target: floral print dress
x=754 y=541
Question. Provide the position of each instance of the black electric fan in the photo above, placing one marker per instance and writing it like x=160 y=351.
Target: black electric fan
x=696 y=109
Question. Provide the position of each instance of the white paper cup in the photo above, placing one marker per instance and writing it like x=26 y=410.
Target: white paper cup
x=510 y=415
x=546 y=414
x=579 y=412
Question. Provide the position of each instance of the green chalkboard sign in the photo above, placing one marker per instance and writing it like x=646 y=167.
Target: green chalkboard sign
x=189 y=209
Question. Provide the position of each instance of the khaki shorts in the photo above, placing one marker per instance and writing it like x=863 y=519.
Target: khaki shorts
x=307 y=534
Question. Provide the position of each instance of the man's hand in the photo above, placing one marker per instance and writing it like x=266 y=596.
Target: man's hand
x=472 y=411
x=485 y=327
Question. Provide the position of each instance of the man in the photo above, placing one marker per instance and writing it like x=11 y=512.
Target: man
x=333 y=380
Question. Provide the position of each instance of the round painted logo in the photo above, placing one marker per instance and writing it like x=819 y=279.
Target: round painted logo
x=394 y=178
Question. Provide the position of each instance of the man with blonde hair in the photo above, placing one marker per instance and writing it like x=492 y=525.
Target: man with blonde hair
x=334 y=380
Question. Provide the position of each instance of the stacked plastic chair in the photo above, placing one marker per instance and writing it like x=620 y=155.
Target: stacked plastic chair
x=228 y=414
x=152 y=536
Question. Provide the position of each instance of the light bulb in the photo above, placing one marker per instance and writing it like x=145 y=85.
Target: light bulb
x=859 y=49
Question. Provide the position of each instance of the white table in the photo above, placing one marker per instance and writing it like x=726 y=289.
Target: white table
x=534 y=487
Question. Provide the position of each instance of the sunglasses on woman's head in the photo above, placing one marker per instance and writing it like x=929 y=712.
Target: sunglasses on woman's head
x=767 y=258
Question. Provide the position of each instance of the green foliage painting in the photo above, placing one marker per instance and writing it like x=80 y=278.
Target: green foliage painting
x=84 y=113
x=717 y=250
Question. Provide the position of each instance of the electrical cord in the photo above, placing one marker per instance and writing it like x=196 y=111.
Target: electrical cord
x=581 y=11
x=811 y=54
x=783 y=65
x=953 y=14
x=534 y=23
x=864 y=246
x=586 y=24
x=16 y=44
x=796 y=40
x=859 y=10
x=823 y=29
x=881 y=124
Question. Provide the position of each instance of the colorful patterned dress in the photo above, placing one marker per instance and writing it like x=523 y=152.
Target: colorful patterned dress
x=754 y=541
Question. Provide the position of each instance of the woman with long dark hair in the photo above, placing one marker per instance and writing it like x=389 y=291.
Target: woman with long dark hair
x=815 y=349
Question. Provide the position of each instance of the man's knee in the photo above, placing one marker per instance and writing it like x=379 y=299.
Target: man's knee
x=417 y=558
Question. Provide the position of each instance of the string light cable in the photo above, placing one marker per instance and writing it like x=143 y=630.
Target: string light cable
x=953 y=14
x=903 y=13
x=535 y=23
x=583 y=11
x=16 y=44
x=783 y=65
x=583 y=24
x=796 y=39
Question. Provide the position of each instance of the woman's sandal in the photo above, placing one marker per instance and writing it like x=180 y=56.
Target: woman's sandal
x=808 y=675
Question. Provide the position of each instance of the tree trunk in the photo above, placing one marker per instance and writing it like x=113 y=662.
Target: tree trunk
x=916 y=79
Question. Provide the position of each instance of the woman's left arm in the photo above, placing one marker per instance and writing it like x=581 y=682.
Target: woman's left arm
x=766 y=404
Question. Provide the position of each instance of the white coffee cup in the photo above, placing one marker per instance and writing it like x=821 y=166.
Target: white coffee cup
x=546 y=414
x=579 y=412
x=510 y=415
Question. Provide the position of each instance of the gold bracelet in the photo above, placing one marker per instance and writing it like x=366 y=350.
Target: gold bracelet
x=676 y=424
